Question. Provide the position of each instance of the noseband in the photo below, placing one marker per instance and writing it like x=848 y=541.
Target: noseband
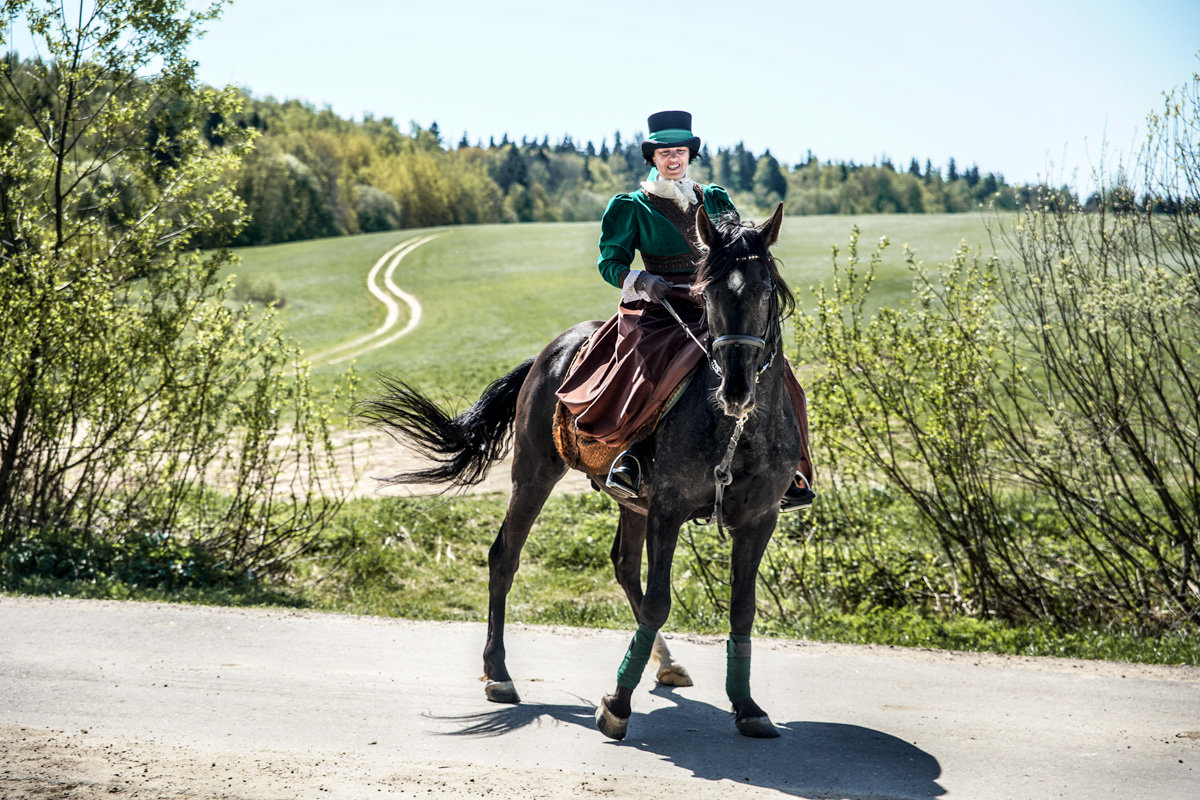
x=741 y=338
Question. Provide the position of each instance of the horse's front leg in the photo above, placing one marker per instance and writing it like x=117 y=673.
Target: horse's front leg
x=662 y=532
x=749 y=544
x=627 y=563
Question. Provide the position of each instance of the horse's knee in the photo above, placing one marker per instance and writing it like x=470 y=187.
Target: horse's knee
x=654 y=611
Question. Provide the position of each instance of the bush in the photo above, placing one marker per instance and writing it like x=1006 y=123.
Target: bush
x=136 y=406
x=1038 y=418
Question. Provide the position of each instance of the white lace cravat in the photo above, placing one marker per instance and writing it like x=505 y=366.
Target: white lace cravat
x=681 y=193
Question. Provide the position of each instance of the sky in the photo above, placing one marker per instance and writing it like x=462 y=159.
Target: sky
x=1030 y=89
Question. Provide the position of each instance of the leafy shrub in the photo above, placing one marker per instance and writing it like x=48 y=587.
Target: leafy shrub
x=136 y=405
x=262 y=290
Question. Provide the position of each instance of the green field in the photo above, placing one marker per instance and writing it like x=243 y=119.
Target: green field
x=494 y=295
x=860 y=567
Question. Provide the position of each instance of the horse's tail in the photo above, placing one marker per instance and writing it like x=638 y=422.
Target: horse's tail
x=463 y=448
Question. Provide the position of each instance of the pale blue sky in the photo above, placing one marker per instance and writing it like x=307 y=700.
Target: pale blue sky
x=1026 y=88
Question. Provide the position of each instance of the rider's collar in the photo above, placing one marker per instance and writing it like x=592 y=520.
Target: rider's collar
x=681 y=193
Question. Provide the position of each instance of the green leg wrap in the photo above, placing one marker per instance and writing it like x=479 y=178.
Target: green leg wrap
x=737 y=668
x=636 y=657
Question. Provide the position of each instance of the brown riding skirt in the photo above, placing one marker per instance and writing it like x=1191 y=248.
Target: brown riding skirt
x=626 y=372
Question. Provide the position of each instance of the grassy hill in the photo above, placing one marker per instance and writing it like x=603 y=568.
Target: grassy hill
x=494 y=295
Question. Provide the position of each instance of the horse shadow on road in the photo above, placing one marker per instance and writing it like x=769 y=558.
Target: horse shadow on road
x=810 y=759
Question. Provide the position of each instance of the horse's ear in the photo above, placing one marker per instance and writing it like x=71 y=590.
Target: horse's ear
x=770 y=228
x=704 y=227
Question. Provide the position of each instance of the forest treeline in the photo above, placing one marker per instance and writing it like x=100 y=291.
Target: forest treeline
x=311 y=173
x=314 y=173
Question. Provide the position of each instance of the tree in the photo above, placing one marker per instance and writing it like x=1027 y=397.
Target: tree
x=770 y=185
x=512 y=169
x=129 y=390
x=1102 y=407
x=285 y=199
x=377 y=211
x=722 y=170
x=742 y=163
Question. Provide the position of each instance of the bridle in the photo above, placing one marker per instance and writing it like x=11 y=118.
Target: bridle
x=722 y=475
x=768 y=345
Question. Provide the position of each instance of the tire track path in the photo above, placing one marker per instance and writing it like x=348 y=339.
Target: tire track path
x=393 y=299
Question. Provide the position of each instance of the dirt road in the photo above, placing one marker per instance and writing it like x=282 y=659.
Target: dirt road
x=106 y=699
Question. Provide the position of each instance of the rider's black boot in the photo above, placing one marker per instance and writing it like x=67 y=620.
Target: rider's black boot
x=797 y=497
x=625 y=475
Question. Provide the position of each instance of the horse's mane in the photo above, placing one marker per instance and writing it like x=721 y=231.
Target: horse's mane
x=738 y=241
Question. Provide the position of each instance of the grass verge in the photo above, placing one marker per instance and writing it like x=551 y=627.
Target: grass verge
x=426 y=558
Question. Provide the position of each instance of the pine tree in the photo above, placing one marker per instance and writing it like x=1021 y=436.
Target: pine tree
x=743 y=168
x=770 y=185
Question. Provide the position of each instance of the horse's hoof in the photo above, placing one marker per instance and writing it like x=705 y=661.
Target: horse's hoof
x=502 y=692
x=610 y=724
x=757 y=727
x=674 y=675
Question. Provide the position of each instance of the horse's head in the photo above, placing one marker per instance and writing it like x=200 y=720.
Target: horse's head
x=744 y=297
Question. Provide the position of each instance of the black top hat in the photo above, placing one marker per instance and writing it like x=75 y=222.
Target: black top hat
x=670 y=129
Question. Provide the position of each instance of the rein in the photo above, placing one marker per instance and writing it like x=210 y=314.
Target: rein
x=722 y=476
x=710 y=350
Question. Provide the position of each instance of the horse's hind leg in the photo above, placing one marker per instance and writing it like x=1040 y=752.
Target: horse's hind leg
x=529 y=494
x=627 y=562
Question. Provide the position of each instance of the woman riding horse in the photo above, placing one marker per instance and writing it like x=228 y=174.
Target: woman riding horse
x=735 y=414
x=628 y=372
x=728 y=436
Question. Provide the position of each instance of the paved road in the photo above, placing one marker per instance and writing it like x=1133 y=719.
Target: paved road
x=146 y=701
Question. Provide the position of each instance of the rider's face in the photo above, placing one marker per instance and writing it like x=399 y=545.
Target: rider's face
x=672 y=162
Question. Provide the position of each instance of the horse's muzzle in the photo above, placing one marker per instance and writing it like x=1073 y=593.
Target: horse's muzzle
x=736 y=402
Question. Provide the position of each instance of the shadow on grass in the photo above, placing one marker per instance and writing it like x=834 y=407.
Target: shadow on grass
x=821 y=759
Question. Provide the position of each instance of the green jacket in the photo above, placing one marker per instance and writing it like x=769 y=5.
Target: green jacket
x=631 y=222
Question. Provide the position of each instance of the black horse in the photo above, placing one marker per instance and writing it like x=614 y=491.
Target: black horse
x=735 y=415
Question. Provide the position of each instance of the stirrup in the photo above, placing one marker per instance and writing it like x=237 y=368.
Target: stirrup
x=629 y=488
x=797 y=498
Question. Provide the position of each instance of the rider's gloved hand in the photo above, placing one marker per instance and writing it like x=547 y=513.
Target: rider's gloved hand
x=651 y=287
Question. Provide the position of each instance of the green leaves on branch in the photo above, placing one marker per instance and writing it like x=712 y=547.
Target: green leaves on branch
x=133 y=399
x=1040 y=416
